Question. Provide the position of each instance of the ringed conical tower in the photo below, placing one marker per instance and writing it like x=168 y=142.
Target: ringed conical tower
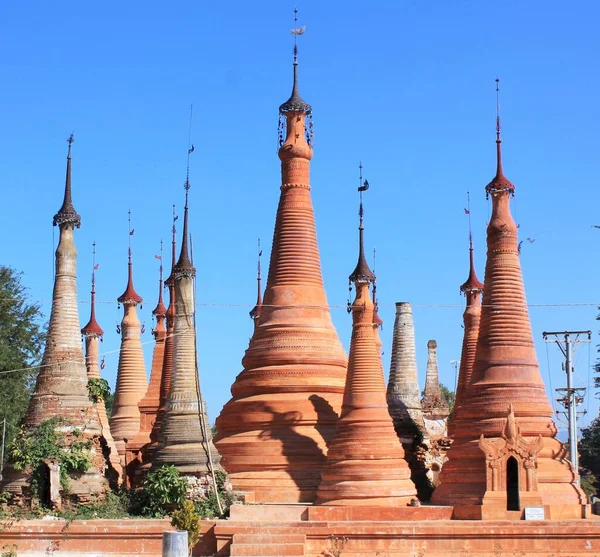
x=61 y=388
x=505 y=454
x=132 y=382
x=365 y=462
x=472 y=290
x=433 y=404
x=93 y=334
x=149 y=405
x=185 y=438
x=273 y=433
x=403 y=396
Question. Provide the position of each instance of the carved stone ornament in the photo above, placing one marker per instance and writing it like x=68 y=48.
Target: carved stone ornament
x=511 y=444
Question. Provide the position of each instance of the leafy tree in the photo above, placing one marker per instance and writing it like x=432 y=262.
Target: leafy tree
x=21 y=341
x=448 y=396
x=589 y=456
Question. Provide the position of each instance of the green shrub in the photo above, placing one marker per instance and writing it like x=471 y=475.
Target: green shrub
x=32 y=448
x=186 y=518
x=162 y=491
x=98 y=390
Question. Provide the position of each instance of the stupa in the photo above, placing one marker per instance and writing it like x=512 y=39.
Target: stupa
x=93 y=334
x=365 y=463
x=472 y=289
x=185 y=439
x=61 y=387
x=403 y=396
x=132 y=382
x=273 y=433
x=505 y=456
x=167 y=362
x=143 y=444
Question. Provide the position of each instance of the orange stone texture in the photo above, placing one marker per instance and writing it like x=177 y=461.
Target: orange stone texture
x=185 y=439
x=505 y=454
x=61 y=386
x=472 y=290
x=131 y=376
x=93 y=333
x=273 y=433
x=143 y=444
x=365 y=461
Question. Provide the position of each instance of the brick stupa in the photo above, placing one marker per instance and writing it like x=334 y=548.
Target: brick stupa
x=61 y=386
x=143 y=444
x=167 y=363
x=365 y=462
x=185 y=438
x=132 y=382
x=472 y=290
x=273 y=433
x=93 y=334
x=505 y=454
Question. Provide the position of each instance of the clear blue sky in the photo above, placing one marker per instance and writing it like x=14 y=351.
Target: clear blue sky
x=406 y=87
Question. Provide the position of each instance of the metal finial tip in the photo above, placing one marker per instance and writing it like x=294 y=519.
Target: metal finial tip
x=187 y=185
x=497 y=84
x=71 y=139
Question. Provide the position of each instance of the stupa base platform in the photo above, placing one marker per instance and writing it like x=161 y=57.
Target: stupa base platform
x=311 y=531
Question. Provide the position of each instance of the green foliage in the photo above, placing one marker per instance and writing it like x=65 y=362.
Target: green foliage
x=186 y=518
x=21 y=342
x=108 y=403
x=114 y=506
x=98 y=390
x=209 y=507
x=162 y=491
x=588 y=484
x=448 y=396
x=30 y=449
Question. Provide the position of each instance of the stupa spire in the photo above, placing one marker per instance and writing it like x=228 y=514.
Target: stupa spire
x=92 y=327
x=132 y=382
x=500 y=182
x=433 y=403
x=185 y=439
x=61 y=386
x=93 y=333
x=365 y=431
x=273 y=433
x=144 y=442
x=484 y=469
x=361 y=272
x=472 y=289
x=67 y=213
x=255 y=311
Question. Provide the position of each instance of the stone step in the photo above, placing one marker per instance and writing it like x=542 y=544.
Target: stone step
x=266 y=549
x=268 y=538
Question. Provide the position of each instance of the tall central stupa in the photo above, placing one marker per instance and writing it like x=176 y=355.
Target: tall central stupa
x=273 y=433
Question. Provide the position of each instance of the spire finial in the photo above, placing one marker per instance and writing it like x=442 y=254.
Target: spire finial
x=67 y=213
x=130 y=296
x=92 y=327
x=472 y=283
x=255 y=311
x=160 y=310
x=184 y=265
x=295 y=102
x=500 y=182
x=361 y=273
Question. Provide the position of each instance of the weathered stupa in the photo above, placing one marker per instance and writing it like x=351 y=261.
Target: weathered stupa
x=435 y=418
x=131 y=376
x=403 y=396
x=273 y=433
x=61 y=387
x=505 y=454
x=185 y=439
x=167 y=362
x=365 y=462
x=93 y=333
x=472 y=290
x=150 y=404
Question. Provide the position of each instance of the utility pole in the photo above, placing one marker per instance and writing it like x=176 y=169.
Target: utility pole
x=571 y=396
